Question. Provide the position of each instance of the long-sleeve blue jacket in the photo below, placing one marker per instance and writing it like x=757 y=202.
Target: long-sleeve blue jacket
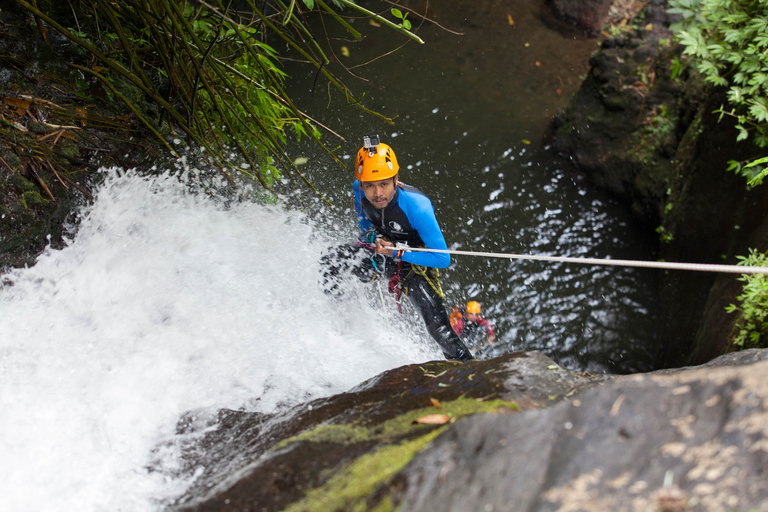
x=409 y=218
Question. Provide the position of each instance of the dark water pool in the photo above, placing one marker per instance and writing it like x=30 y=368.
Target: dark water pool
x=472 y=113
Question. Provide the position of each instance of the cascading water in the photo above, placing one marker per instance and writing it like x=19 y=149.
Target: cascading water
x=164 y=302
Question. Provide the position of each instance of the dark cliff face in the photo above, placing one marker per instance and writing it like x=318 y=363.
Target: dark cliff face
x=655 y=143
x=514 y=433
x=623 y=126
x=711 y=218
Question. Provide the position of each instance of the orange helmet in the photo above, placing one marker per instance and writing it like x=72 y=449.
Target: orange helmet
x=374 y=164
x=473 y=307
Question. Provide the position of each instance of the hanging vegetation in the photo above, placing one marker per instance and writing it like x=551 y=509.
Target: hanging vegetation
x=205 y=69
x=727 y=41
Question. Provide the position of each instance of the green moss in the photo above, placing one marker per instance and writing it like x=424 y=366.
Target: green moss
x=349 y=489
x=384 y=506
x=38 y=128
x=21 y=183
x=398 y=426
x=131 y=92
x=339 y=434
x=32 y=198
x=10 y=158
x=69 y=148
x=658 y=127
x=455 y=409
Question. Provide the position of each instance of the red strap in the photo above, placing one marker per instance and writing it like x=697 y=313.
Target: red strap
x=394 y=286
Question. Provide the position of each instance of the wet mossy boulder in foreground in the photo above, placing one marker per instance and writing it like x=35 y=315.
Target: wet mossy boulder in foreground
x=514 y=433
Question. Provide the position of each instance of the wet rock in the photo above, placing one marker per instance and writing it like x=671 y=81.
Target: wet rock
x=656 y=143
x=513 y=433
x=54 y=137
x=252 y=462
x=627 y=115
x=711 y=224
x=593 y=16
x=587 y=14
x=695 y=441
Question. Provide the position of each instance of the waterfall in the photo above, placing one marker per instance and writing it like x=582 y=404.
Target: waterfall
x=165 y=301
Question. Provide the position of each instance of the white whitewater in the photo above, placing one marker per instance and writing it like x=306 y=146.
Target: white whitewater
x=162 y=303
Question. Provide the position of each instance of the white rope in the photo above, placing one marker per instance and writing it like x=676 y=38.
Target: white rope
x=668 y=265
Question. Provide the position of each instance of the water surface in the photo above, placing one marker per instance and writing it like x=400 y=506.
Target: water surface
x=472 y=113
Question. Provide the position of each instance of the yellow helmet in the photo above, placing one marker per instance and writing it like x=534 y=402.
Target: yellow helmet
x=377 y=163
x=473 y=307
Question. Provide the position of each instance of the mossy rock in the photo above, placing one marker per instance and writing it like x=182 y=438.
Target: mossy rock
x=21 y=183
x=10 y=158
x=69 y=149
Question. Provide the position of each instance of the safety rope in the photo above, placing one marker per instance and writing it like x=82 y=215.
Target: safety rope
x=667 y=265
x=422 y=271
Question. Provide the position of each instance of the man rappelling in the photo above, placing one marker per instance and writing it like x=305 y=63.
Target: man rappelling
x=390 y=212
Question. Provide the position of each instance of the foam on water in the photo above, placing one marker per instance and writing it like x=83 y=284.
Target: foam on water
x=165 y=302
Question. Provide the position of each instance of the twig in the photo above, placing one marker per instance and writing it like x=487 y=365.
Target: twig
x=423 y=16
x=384 y=21
x=56 y=174
x=41 y=182
x=61 y=126
x=81 y=189
x=33 y=99
x=6 y=164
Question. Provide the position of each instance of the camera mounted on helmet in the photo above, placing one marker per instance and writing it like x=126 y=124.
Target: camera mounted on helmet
x=375 y=160
x=371 y=144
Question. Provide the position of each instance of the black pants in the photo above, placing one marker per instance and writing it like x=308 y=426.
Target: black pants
x=355 y=260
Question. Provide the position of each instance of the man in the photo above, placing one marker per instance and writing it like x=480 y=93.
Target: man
x=469 y=325
x=390 y=212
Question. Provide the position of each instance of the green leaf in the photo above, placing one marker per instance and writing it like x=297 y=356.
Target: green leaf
x=759 y=161
x=309 y=3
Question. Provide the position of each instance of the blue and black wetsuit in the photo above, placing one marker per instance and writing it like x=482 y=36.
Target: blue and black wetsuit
x=408 y=218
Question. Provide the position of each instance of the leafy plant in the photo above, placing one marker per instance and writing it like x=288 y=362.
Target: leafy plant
x=753 y=309
x=208 y=70
x=727 y=41
x=397 y=13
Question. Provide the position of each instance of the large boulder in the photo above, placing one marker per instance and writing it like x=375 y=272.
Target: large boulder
x=587 y=14
x=695 y=440
x=257 y=462
x=514 y=433
x=622 y=128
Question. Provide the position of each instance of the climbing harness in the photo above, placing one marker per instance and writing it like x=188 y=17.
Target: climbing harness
x=396 y=286
x=667 y=265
